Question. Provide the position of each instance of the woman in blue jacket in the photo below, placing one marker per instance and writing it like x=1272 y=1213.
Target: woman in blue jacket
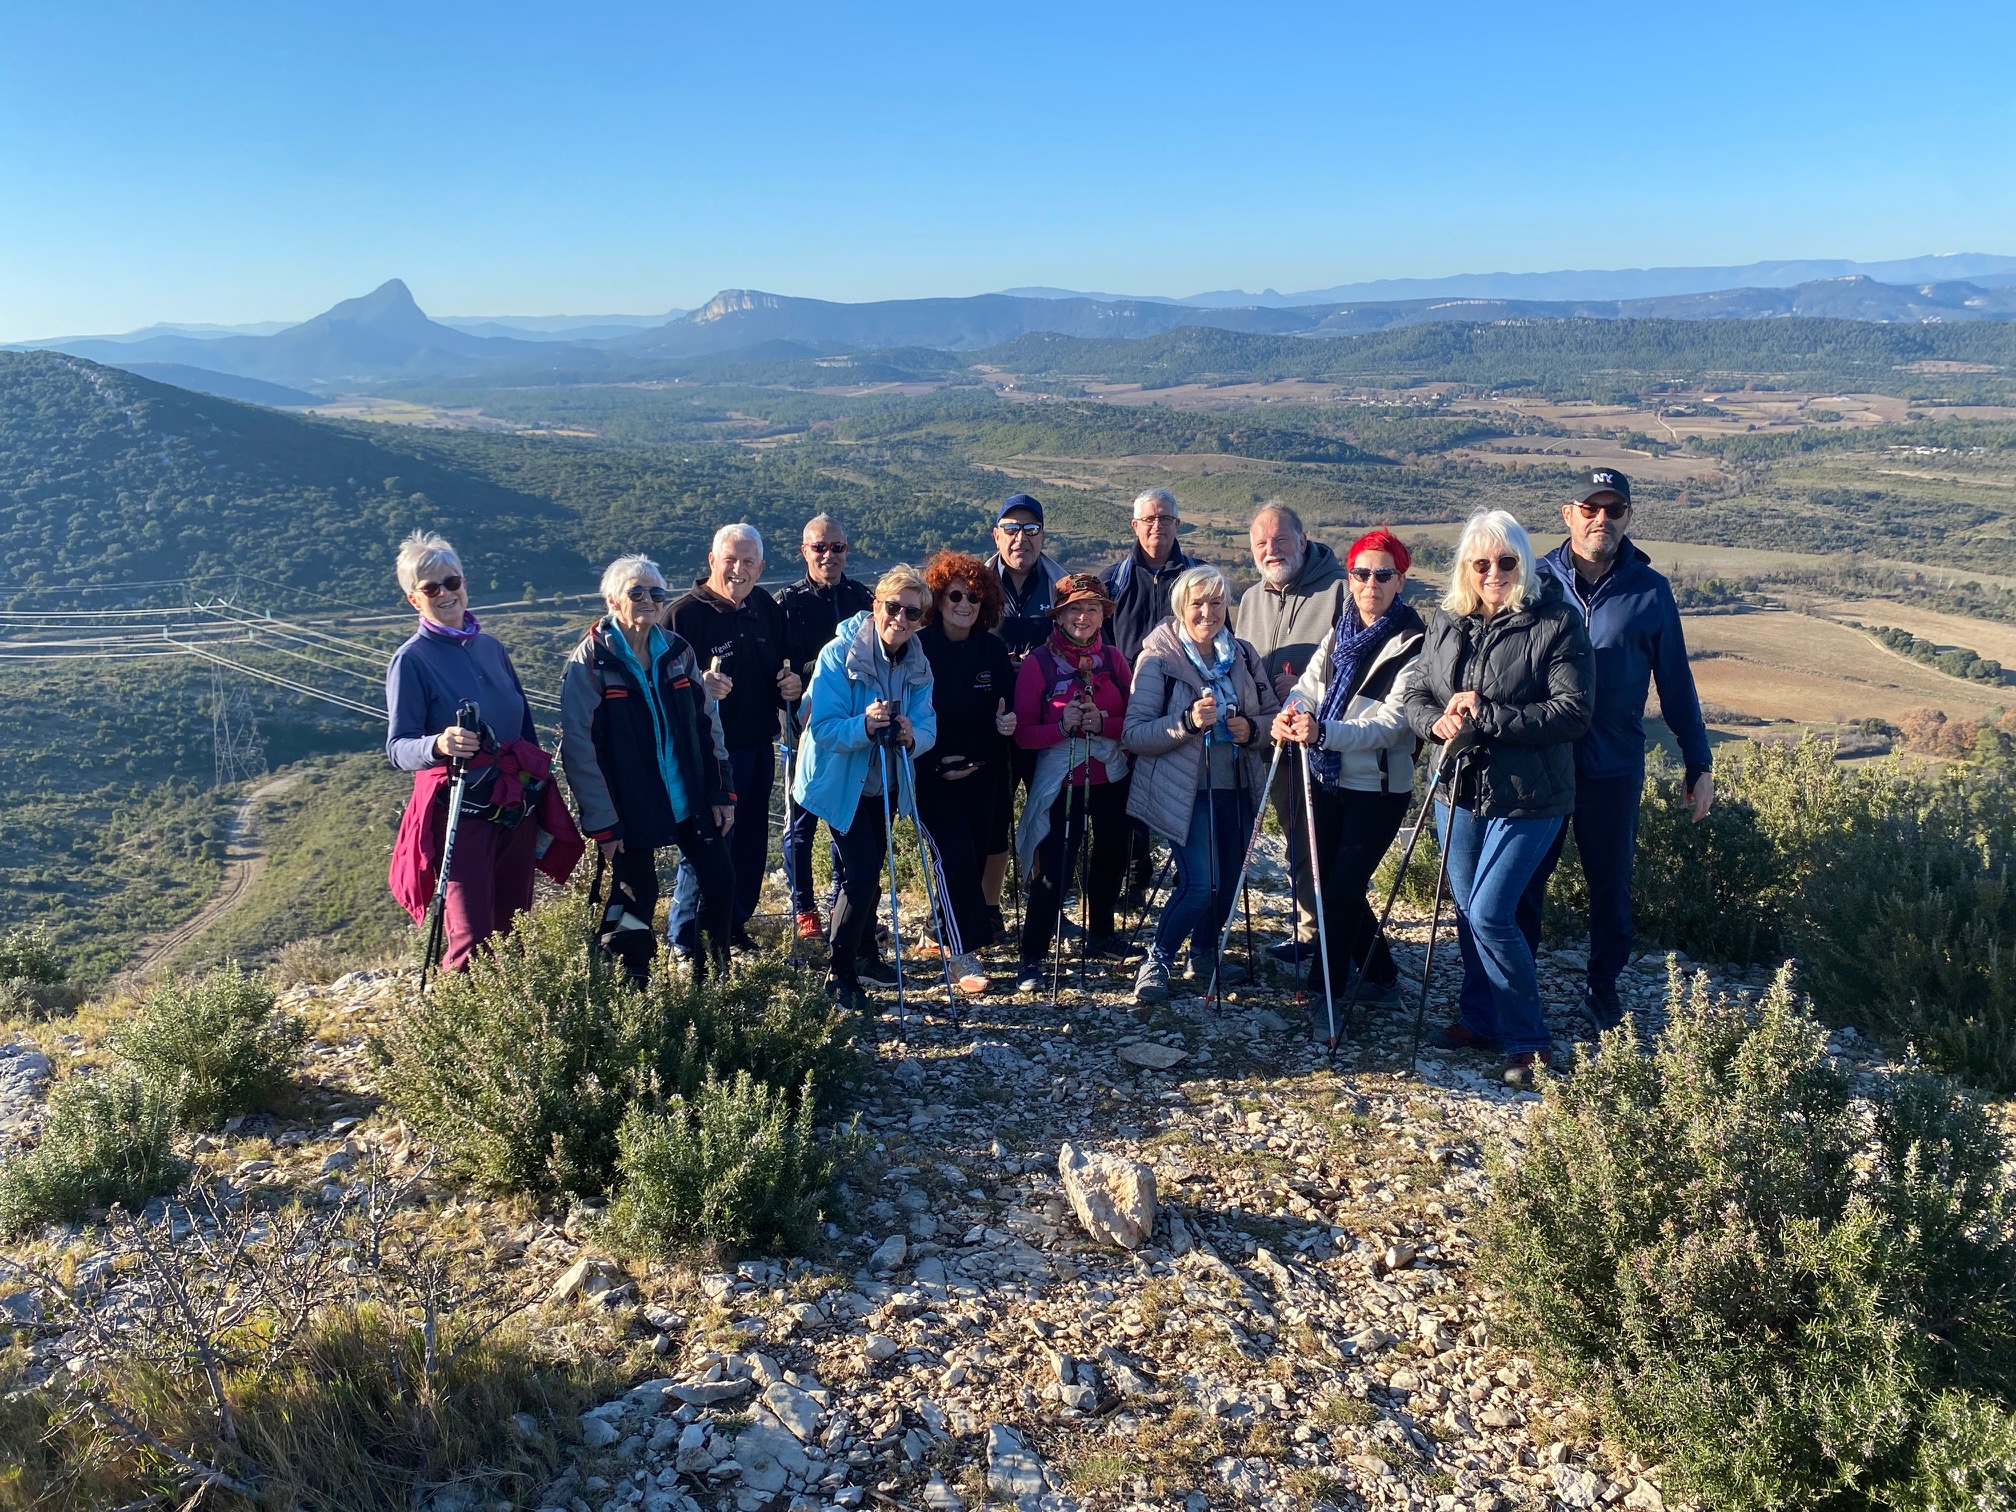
x=871 y=689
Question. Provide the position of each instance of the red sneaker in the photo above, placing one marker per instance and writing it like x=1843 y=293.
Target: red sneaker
x=809 y=927
x=1526 y=1068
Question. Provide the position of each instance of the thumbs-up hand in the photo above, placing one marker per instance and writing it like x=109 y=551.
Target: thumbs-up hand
x=1004 y=719
x=718 y=683
x=789 y=683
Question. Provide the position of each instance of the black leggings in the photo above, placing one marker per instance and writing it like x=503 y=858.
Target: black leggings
x=633 y=884
x=1106 y=804
x=960 y=819
x=1353 y=831
x=864 y=849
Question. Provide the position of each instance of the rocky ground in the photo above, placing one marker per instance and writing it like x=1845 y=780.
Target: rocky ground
x=1298 y=1326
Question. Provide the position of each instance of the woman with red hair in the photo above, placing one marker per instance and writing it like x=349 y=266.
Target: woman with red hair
x=1349 y=709
x=973 y=688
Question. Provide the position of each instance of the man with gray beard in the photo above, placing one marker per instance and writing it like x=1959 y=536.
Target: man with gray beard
x=1302 y=590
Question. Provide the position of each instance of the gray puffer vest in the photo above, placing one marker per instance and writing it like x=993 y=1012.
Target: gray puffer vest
x=1533 y=672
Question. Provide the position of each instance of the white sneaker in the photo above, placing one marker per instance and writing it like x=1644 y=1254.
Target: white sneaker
x=968 y=975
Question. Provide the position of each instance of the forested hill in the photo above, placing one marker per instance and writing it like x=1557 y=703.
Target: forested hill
x=1596 y=357
x=106 y=476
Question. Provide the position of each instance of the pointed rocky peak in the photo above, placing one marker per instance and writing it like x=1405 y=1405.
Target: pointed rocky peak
x=390 y=305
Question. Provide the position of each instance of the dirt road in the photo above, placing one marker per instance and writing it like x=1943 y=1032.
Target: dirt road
x=244 y=860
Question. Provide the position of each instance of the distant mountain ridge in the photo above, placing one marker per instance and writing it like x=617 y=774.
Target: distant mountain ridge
x=385 y=337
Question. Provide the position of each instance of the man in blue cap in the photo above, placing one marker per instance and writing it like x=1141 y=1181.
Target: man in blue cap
x=1028 y=581
x=1634 y=626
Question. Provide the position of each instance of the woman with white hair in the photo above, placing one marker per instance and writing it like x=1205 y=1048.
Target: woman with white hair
x=1504 y=682
x=1198 y=721
x=871 y=691
x=447 y=662
x=642 y=746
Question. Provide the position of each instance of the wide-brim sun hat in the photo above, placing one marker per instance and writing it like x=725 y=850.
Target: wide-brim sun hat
x=1080 y=588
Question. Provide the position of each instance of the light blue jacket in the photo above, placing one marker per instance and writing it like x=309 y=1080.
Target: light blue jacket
x=834 y=753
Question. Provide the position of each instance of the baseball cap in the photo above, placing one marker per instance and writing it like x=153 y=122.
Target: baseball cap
x=1597 y=480
x=1019 y=501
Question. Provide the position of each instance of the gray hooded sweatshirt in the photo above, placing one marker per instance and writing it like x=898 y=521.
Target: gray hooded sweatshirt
x=1284 y=624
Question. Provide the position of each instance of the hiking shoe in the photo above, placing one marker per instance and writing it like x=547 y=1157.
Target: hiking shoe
x=1456 y=1037
x=848 y=995
x=968 y=976
x=809 y=927
x=874 y=969
x=1151 y=982
x=1604 y=1008
x=1106 y=947
x=1525 y=1068
x=741 y=940
x=1029 y=977
x=1319 y=1022
x=1291 y=952
x=1372 y=994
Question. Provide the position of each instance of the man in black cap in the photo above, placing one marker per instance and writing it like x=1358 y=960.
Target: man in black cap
x=1028 y=582
x=1634 y=626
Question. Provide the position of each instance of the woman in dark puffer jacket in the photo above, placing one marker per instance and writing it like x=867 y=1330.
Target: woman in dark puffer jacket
x=1506 y=672
x=641 y=744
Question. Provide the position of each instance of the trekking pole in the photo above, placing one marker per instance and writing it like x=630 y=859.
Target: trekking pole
x=1154 y=896
x=1316 y=886
x=1252 y=841
x=1392 y=895
x=1442 y=837
x=1063 y=868
x=889 y=844
x=466 y=718
x=941 y=905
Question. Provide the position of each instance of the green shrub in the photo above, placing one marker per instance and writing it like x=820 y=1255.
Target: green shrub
x=522 y=1068
x=105 y=1140
x=1793 y=1291
x=34 y=977
x=219 y=1037
x=1891 y=883
x=735 y=1163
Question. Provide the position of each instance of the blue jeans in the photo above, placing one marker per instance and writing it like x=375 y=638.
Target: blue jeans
x=1490 y=863
x=1206 y=885
x=1606 y=833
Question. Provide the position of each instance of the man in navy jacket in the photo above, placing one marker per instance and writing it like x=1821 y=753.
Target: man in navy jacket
x=1634 y=626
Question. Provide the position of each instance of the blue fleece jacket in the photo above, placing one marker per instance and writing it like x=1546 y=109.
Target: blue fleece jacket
x=1634 y=626
x=429 y=678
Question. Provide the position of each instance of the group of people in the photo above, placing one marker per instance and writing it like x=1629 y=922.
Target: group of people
x=1124 y=708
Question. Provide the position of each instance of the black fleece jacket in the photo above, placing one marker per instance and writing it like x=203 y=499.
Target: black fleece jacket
x=749 y=639
x=970 y=678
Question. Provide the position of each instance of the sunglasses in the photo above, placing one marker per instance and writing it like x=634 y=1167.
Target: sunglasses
x=893 y=610
x=1608 y=511
x=827 y=548
x=1018 y=527
x=446 y=585
x=638 y=595
x=1375 y=574
x=1505 y=564
x=960 y=596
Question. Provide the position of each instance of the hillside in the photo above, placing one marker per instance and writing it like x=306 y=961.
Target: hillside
x=222 y=385
x=106 y=476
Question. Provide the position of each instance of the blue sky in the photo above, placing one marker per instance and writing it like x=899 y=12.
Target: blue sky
x=260 y=161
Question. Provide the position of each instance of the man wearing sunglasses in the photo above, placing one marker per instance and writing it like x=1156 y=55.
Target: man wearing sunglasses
x=1028 y=575
x=1634 y=626
x=814 y=607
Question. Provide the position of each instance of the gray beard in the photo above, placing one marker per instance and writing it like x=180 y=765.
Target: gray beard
x=1281 y=576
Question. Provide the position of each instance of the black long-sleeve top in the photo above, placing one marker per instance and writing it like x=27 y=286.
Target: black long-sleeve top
x=970 y=680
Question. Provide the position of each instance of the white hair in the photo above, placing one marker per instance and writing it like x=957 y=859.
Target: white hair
x=1487 y=531
x=1286 y=572
x=817 y=520
x=626 y=570
x=1195 y=580
x=1154 y=496
x=423 y=554
x=738 y=532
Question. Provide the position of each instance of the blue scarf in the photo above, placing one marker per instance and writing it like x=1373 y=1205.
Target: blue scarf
x=1218 y=676
x=661 y=728
x=1350 y=655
